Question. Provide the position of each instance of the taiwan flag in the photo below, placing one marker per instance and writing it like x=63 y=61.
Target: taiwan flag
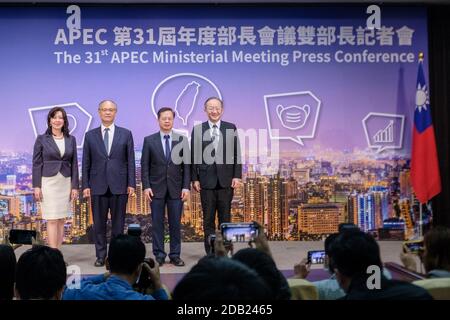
x=425 y=178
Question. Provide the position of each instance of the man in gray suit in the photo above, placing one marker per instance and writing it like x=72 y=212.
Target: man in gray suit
x=109 y=175
x=166 y=179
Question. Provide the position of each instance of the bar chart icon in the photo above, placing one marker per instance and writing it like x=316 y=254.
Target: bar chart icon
x=384 y=131
x=385 y=135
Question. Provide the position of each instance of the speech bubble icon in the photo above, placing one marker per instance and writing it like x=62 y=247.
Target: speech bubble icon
x=292 y=115
x=384 y=131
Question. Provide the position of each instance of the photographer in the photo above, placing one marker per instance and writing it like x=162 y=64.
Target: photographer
x=126 y=266
x=40 y=274
x=351 y=254
x=7 y=272
x=259 y=259
x=8 y=264
x=435 y=254
x=328 y=289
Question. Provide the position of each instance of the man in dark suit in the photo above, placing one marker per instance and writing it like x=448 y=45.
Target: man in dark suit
x=108 y=175
x=166 y=178
x=216 y=168
x=356 y=262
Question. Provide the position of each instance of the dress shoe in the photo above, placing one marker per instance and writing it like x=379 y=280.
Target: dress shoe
x=99 y=263
x=160 y=261
x=177 y=262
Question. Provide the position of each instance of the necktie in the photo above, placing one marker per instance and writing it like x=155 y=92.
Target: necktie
x=106 y=140
x=215 y=136
x=215 y=140
x=166 y=137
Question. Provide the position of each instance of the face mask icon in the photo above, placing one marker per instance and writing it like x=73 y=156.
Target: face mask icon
x=293 y=117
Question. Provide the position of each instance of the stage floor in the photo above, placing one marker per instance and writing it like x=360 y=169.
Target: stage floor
x=285 y=253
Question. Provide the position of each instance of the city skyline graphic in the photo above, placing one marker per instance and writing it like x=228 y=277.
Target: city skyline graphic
x=304 y=198
x=324 y=106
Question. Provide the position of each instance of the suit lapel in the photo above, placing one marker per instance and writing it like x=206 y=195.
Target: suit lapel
x=52 y=143
x=205 y=127
x=115 y=142
x=67 y=145
x=223 y=130
x=206 y=139
x=99 y=136
x=158 y=144
x=176 y=139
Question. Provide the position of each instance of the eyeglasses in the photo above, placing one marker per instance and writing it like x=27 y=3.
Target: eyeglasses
x=107 y=110
x=215 y=108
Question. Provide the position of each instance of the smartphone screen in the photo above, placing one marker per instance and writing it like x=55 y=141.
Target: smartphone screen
x=316 y=256
x=414 y=246
x=239 y=232
x=17 y=236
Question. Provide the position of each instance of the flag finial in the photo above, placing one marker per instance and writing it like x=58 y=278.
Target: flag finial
x=420 y=56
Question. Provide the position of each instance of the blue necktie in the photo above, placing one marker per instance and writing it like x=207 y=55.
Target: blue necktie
x=106 y=140
x=166 y=137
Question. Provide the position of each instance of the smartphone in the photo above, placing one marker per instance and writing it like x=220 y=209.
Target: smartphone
x=18 y=236
x=316 y=256
x=239 y=232
x=414 y=246
x=134 y=229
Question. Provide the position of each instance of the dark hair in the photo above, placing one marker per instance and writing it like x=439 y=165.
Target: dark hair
x=164 y=109
x=221 y=279
x=437 y=249
x=266 y=268
x=125 y=254
x=352 y=252
x=327 y=246
x=7 y=272
x=41 y=272
x=328 y=241
x=347 y=227
x=213 y=98
x=51 y=114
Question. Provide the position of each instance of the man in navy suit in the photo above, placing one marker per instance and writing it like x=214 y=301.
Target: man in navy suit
x=108 y=175
x=166 y=180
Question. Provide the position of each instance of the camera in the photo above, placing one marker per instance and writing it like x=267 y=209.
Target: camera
x=316 y=256
x=18 y=236
x=144 y=284
x=239 y=232
x=414 y=246
x=134 y=230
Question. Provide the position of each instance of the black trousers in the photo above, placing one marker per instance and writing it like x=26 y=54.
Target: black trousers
x=101 y=204
x=218 y=199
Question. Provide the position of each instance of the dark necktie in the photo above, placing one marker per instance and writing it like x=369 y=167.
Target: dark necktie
x=215 y=139
x=106 y=140
x=166 y=137
x=215 y=136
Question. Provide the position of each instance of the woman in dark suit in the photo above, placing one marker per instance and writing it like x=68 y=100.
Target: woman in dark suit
x=55 y=174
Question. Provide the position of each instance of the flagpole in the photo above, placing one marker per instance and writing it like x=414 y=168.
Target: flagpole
x=420 y=204
x=420 y=220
